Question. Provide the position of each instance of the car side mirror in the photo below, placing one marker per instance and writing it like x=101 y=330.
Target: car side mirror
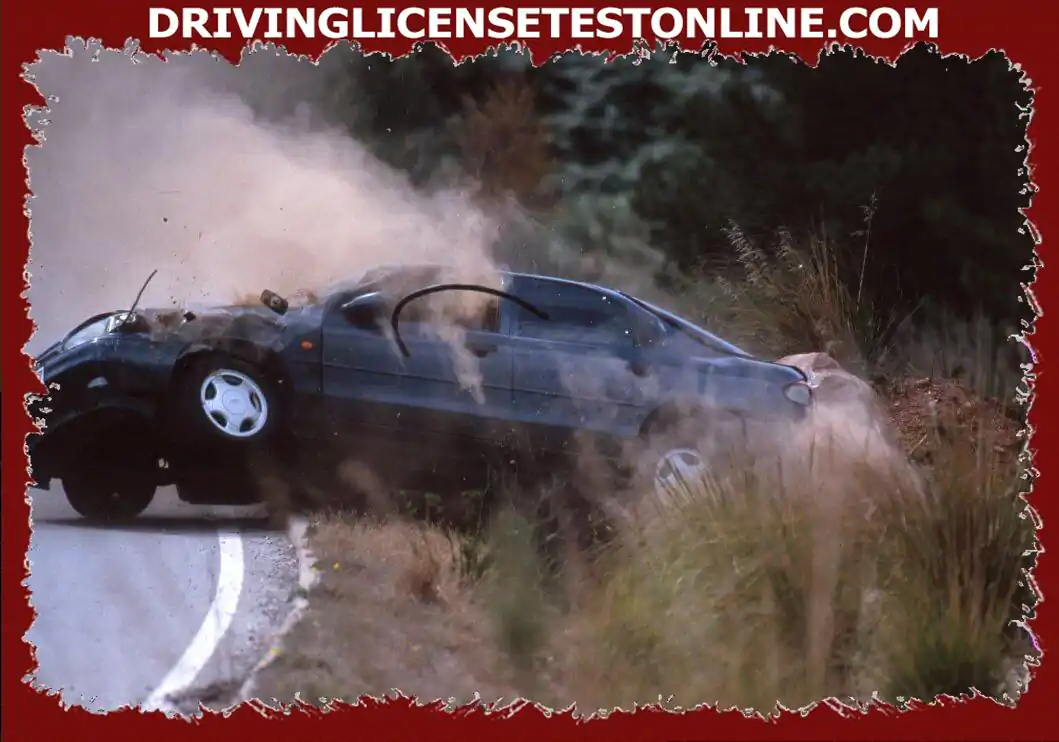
x=638 y=365
x=274 y=301
x=647 y=331
x=365 y=312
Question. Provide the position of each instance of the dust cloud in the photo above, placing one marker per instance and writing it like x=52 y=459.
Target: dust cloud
x=211 y=174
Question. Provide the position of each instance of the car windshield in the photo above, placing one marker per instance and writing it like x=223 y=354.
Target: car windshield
x=691 y=330
x=389 y=280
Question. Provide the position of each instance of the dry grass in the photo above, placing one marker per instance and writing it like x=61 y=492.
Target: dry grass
x=791 y=298
x=390 y=611
x=957 y=572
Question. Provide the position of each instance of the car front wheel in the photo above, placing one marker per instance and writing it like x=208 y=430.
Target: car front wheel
x=684 y=458
x=229 y=401
x=105 y=495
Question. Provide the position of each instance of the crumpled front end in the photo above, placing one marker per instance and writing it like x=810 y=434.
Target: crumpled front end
x=88 y=390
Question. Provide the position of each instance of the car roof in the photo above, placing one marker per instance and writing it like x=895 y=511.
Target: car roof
x=563 y=282
x=429 y=271
x=385 y=276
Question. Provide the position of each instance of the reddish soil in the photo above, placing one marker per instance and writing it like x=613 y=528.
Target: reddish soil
x=925 y=411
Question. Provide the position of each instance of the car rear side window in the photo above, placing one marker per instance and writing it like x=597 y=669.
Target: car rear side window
x=469 y=310
x=578 y=315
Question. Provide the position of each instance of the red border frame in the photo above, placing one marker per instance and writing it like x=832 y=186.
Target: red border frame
x=969 y=27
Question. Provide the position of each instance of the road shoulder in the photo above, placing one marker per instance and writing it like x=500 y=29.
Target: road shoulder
x=384 y=610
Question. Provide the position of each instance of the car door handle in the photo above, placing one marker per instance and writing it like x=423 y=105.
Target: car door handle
x=638 y=367
x=481 y=348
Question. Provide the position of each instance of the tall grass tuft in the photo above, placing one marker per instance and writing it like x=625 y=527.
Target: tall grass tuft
x=789 y=297
x=744 y=592
x=957 y=578
x=515 y=594
x=788 y=589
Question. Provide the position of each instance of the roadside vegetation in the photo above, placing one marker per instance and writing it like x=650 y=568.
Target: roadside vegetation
x=837 y=568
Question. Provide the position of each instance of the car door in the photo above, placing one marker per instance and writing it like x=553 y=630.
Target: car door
x=456 y=361
x=392 y=364
x=361 y=369
x=575 y=370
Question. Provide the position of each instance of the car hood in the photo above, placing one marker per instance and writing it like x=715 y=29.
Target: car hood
x=256 y=324
x=168 y=317
x=48 y=353
x=755 y=367
x=249 y=322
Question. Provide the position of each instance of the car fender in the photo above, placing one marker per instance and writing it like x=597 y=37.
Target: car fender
x=265 y=356
x=247 y=350
x=141 y=410
x=687 y=406
x=58 y=442
x=675 y=407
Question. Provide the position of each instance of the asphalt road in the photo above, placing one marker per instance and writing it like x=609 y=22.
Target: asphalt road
x=183 y=597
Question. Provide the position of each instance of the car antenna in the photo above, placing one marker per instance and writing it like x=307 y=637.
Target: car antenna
x=139 y=296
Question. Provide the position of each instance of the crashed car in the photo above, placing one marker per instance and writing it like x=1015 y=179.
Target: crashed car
x=381 y=372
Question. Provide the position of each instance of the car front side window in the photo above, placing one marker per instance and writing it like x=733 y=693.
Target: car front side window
x=579 y=316
x=465 y=310
x=475 y=316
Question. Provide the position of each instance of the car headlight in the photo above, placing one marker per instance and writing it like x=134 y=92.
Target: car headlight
x=811 y=379
x=799 y=392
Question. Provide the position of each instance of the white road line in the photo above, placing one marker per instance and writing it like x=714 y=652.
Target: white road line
x=297 y=528
x=211 y=632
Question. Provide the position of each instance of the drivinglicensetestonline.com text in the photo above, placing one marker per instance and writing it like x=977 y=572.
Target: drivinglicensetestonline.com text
x=521 y=23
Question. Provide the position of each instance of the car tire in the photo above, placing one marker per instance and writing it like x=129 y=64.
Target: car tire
x=209 y=480
x=225 y=400
x=680 y=455
x=109 y=495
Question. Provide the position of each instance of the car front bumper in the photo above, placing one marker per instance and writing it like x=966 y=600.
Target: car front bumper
x=68 y=428
x=41 y=479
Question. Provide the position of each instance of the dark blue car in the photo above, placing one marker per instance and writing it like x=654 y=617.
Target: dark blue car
x=426 y=383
